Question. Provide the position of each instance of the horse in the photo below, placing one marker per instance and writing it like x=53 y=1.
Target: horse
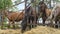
x=14 y=17
x=44 y=11
x=29 y=19
x=55 y=15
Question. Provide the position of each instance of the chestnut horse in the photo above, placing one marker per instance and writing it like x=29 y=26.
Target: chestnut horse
x=14 y=17
x=44 y=11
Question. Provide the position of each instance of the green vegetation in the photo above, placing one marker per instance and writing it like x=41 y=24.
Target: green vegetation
x=5 y=4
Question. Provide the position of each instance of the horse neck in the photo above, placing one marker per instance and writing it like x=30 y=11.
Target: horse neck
x=22 y=13
x=43 y=11
x=33 y=11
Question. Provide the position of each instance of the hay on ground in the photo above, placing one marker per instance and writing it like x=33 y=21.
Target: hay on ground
x=43 y=30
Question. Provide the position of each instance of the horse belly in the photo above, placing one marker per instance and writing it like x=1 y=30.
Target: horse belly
x=19 y=18
x=12 y=17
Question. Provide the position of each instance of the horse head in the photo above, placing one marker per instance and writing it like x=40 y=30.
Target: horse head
x=55 y=11
x=42 y=6
x=6 y=12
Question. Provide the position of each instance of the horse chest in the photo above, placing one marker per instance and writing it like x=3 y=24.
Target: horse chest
x=48 y=12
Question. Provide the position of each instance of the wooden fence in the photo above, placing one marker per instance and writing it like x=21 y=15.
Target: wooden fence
x=5 y=26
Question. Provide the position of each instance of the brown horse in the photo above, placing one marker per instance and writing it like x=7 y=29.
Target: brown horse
x=14 y=17
x=55 y=15
x=44 y=11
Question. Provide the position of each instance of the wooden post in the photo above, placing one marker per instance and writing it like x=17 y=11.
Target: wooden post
x=43 y=0
x=25 y=5
x=50 y=3
x=26 y=13
x=35 y=14
x=2 y=19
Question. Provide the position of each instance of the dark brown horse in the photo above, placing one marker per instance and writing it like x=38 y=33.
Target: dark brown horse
x=44 y=11
x=29 y=19
x=14 y=17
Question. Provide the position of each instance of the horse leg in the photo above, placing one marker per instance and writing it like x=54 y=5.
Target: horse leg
x=32 y=21
x=36 y=22
x=43 y=22
x=44 y=19
x=23 y=26
x=13 y=25
x=9 y=24
x=56 y=26
x=29 y=21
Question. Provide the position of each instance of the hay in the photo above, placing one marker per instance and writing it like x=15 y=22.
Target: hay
x=10 y=31
x=43 y=30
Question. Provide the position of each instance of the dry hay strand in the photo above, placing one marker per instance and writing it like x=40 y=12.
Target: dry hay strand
x=43 y=30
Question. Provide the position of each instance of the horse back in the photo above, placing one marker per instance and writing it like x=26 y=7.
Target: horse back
x=15 y=16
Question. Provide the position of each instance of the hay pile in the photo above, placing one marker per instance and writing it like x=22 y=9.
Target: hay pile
x=43 y=30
